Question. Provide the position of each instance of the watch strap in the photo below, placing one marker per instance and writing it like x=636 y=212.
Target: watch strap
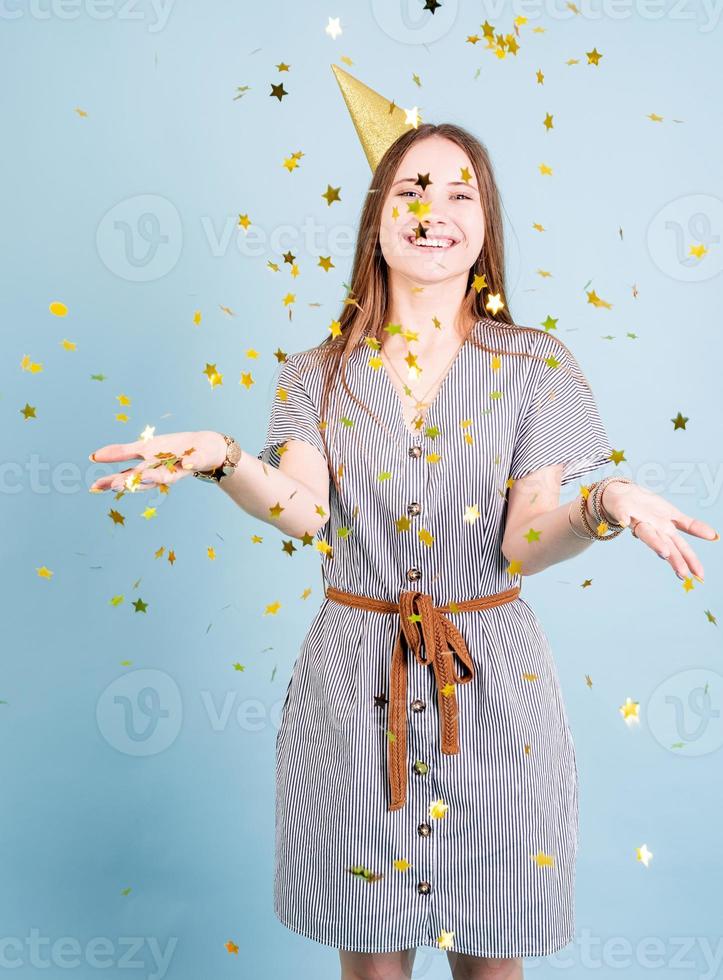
x=231 y=460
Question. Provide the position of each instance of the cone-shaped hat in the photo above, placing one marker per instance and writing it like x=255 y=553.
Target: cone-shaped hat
x=377 y=127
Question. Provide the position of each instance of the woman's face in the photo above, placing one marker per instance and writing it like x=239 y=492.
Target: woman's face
x=446 y=208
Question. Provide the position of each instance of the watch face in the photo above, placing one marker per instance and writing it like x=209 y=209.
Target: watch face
x=234 y=453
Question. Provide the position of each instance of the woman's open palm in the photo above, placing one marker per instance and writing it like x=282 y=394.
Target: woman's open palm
x=165 y=459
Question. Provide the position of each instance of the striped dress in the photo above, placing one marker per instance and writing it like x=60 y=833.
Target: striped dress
x=481 y=858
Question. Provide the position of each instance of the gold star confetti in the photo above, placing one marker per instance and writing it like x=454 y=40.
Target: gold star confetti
x=27 y=365
x=438 y=809
x=630 y=712
x=543 y=860
x=593 y=298
x=593 y=57
x=445 y=939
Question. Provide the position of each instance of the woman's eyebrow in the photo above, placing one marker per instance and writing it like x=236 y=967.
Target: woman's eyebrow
x=452 y=183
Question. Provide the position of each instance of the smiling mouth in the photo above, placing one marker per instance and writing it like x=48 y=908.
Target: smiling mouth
x=443 y=243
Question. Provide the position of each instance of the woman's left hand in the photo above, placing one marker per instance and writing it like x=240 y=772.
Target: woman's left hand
x=656 y=522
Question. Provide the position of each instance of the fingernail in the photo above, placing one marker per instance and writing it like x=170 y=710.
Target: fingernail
x=717 y=536
x=95 y=490
x=699 y=578
x=92 y=457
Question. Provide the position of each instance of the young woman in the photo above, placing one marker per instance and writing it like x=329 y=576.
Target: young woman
x=426 y=775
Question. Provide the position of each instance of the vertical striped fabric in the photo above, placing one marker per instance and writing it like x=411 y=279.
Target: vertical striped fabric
x=494 y=863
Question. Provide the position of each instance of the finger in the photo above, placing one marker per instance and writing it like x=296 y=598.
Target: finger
x=106 y=482
x=676 y=560
x=646 y=532
x=692 y=525
x=116 y=452
x=141 y=477
x=162 y=474
x=694 y=564
x=664 y=546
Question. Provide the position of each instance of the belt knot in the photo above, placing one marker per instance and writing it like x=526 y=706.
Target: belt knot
x=435 y=642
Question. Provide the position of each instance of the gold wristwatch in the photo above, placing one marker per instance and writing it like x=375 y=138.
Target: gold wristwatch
x=233 y=455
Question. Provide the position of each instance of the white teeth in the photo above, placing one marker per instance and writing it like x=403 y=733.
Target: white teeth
x=432 y=242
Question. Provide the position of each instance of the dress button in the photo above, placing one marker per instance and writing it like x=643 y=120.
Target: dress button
x=424 y=888
x=413 y=509
x=415 y=451
x=417 y=705
x=420 y=767
x=424 y=830
x=414 y=574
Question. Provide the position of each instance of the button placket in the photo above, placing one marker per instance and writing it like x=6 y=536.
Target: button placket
x=421 y=721
x=414 y=483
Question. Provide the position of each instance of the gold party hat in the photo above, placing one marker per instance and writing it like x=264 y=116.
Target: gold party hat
x=378 y=122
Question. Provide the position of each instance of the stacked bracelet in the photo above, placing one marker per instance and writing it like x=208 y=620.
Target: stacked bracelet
x=596 y=490
x=598 y=507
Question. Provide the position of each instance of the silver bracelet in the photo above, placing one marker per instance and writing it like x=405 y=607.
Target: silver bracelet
x=585 y=537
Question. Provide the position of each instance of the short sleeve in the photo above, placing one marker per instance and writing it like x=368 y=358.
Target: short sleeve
x=561 y=422
x=293 y=415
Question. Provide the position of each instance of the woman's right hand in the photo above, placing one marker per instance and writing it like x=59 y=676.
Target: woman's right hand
x=165 y=459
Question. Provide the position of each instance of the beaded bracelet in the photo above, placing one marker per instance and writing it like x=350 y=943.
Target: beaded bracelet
x=585 y=537
x=598 y=507
x=593 y=532
x=596 y=488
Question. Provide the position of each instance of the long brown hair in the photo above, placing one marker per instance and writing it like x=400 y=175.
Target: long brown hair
x=365 y=310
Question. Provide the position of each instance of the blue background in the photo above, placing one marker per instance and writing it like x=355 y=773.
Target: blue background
x=107 y=786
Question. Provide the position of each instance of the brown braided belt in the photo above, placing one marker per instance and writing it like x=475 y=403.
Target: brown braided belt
x=421 y=622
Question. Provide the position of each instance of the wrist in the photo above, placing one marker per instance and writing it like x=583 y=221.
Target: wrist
x=232 y=457
x=606 y=515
